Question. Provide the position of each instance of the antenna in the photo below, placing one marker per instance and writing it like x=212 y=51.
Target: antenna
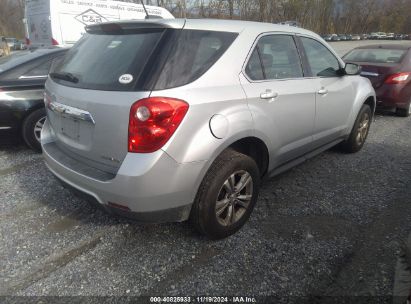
x=144 y=6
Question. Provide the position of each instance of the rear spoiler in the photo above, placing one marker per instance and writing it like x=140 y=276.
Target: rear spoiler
x=127 y=26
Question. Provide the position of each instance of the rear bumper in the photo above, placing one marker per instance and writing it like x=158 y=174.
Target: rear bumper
x=164 y=216
x=393 y=96
x=148 y=187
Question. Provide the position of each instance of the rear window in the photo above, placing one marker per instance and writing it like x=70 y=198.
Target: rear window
x=376 y=55
x=149 y=59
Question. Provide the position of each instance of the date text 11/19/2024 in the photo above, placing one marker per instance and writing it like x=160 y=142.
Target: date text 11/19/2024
x=236 y=299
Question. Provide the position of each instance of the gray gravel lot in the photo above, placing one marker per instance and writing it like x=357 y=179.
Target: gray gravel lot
x=331 y=226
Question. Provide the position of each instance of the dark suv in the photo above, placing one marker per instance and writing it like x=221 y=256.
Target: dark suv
x=22 y=78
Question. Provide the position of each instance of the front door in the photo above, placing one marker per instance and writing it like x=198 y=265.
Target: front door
x=334 y=92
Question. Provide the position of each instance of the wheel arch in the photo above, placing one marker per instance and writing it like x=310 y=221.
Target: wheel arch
x=364 y=94
x=250 y=145
x=254 y=148
x=372 y=103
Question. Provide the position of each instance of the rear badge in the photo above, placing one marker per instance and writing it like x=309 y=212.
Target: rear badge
x=126 y=79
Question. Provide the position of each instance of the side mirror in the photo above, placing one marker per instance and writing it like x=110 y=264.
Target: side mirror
x=352 y=69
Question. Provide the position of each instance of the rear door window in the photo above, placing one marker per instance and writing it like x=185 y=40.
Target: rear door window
x=254 y=68
x=279 y=57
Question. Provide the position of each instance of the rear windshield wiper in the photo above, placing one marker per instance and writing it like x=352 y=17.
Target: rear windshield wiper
x=64 y=76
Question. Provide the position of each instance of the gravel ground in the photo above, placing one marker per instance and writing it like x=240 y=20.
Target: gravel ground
x=329 y=227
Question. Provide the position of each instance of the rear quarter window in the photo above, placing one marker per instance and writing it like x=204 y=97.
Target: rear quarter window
x=193 y=54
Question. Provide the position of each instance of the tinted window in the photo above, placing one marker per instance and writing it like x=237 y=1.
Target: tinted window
x=41 y=70
x=193 y=53
x=99 y=60
x=18 y=58
x=31 y=69
x=376 y=55
x=254 y=69
x=322 y=62
x=279 y=56
x=156 y=58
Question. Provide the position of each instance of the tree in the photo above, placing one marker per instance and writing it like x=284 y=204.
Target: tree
x=11 y=18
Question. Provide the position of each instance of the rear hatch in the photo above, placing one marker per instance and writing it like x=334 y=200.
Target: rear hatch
x=90 y=92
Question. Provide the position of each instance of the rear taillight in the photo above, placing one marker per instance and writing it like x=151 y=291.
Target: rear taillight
x=153 y=121
x=397 y=78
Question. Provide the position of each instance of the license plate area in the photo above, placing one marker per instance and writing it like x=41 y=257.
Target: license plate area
x=70 y=128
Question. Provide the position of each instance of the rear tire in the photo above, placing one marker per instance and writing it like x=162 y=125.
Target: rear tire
x=227 y=195
x=359 y=133
x=404 y=112
x=31 y=129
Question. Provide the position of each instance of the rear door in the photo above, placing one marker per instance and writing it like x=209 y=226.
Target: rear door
x=334 y=93
x=281 y=100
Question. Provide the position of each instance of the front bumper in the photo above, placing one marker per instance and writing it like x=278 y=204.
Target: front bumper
x=151 y=187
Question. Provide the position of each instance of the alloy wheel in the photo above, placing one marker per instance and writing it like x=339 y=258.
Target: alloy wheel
x=234 y=198
x=37 y=128
x=362 y=131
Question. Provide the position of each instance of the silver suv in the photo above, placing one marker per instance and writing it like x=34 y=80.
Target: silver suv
x=170 y=120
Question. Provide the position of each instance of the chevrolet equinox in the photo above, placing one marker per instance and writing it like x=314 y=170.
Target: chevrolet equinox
x=171 y=120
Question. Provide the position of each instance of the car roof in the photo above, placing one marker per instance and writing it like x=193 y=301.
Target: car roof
x=239 y=26
x=236 y=26
x=386 y=46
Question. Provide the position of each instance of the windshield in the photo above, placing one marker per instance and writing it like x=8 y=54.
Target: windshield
x=375 y=55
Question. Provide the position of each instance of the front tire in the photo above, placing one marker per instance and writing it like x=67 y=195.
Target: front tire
x=359 y=133
x=31 y=129
x=227 y=195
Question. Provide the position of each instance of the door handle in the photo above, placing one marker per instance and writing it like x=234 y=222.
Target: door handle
x=323 y=91
x=268 y=94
